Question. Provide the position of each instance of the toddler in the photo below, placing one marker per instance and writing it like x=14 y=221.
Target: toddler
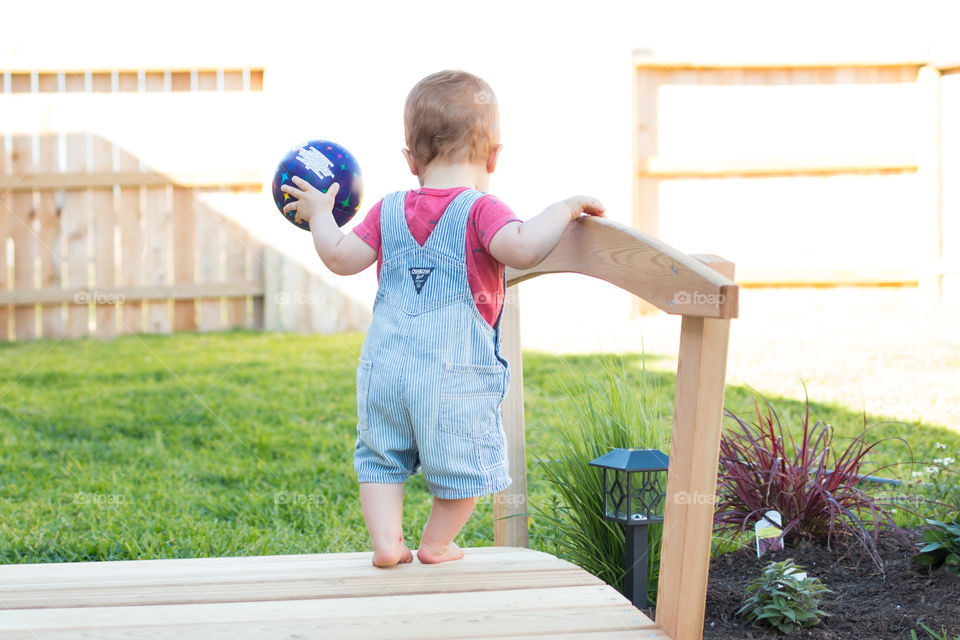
x=431 y=379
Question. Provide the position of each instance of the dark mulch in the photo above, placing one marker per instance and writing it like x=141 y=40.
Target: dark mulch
x=865 y=604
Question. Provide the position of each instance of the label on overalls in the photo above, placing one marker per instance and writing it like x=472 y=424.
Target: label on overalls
x=420 y=275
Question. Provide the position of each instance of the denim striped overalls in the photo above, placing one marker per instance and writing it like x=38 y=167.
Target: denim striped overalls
x=431 y=379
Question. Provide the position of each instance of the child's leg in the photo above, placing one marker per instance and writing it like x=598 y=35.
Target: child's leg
x=382 y=506
x=446 y=519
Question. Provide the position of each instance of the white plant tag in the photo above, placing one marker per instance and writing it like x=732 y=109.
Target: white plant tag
x=768 y=532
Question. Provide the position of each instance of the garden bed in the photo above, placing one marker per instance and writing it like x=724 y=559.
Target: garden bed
x=864 y=604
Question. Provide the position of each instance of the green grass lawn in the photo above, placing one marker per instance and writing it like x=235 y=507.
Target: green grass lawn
x=241 y=443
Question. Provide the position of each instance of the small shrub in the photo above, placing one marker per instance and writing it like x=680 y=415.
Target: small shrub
x=941 y=546
x=815 y=488
x=784 y=598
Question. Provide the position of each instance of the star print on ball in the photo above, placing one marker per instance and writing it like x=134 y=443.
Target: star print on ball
x=321 y=163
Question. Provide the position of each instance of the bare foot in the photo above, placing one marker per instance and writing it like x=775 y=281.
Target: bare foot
x=433 y=555
x=392 y=555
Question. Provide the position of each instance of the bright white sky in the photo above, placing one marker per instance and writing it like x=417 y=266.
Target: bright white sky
x=561 y=71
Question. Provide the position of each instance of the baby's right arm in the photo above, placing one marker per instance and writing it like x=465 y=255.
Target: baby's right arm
x=522 y=245
x=345 y=255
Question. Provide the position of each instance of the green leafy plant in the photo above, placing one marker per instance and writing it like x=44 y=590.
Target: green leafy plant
x=817 y=489
x=941 y=545
x=784 y=597
x=609 y=412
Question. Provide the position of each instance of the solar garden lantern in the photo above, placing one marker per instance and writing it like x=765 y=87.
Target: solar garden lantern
x=634 y=496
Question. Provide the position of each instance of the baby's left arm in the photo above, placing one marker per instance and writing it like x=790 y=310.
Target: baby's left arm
x=524 y=245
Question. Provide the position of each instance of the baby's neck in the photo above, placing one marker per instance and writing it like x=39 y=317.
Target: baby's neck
x=461 y=174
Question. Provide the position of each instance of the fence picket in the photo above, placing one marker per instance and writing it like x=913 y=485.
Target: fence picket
x=24 y=240
x=236 y=263
x=5 y=309
x=158 y=232
x=104 y=226
x=209 y=229
x=184 y=256
x=210 y=235
x=131 y=225
x=131 y=245
x=5 y=219
x=76 y=222
x=49 y=241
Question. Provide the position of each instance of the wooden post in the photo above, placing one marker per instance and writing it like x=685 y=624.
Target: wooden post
x=929 y=174
x=646 y=190
x=949 y=189
x=692 y=478
x=510 y=506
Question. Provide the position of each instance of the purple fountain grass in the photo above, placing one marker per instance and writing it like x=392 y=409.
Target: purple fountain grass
x=815 y=488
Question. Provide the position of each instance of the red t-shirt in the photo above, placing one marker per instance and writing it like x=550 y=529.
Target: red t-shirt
x=423 y=208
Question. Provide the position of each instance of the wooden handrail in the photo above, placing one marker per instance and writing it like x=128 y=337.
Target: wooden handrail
x=637 y=262
x=701 y=289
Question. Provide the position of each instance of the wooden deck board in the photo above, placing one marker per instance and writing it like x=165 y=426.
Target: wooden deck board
x=492 y=593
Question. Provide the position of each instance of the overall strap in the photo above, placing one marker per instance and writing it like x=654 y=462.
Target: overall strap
x=394 y=234
x=450 y=233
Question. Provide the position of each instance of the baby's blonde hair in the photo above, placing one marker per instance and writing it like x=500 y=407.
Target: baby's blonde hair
x=451 y=116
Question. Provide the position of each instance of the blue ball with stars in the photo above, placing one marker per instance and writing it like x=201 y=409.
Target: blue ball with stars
x=321 y=163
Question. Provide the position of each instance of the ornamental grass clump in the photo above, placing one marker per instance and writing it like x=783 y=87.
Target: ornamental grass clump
x=609 y=412
x=817 y=489
x=784 y=597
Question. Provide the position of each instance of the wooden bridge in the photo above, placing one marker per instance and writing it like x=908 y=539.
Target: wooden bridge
x=501 y=592
x=494 y=592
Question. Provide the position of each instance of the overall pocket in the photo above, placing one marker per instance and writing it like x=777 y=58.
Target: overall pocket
x=470 y=397
x=363 y=388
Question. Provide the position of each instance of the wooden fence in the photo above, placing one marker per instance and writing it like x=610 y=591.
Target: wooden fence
x=810 y=174
x=98 y=238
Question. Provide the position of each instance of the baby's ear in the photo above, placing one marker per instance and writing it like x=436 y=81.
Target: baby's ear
x=492 y=158
x=411 y=162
